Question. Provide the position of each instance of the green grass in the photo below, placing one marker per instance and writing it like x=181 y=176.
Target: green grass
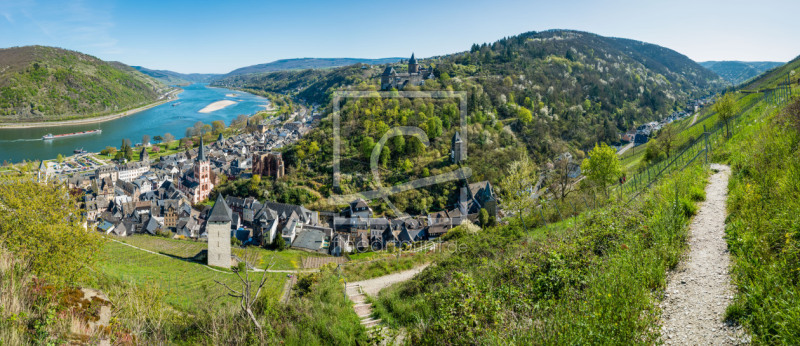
x=593 y=279
x=187 y=285
x=763 y=230
x=289 y=259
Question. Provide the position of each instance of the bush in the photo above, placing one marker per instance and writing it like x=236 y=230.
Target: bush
x=697 y=194
x=43 y=225
x=687 y=207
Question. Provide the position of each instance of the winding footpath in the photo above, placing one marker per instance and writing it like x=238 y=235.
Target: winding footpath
x=699 y=290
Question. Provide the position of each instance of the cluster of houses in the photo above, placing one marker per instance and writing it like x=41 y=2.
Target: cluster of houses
x=642 y=134
x=161 y=198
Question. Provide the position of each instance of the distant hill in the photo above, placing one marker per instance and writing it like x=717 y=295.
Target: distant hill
x=775 y=77
x=175 y=78
x=548 y=92
x=45 y=83
x=738 y=72
x=307 y=63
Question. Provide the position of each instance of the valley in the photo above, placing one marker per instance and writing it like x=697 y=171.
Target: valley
x=460 y=179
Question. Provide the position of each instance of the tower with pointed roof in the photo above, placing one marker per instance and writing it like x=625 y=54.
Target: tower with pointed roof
x=416 y=75
x=197 y=184
x=413 y=67
x=218 y=229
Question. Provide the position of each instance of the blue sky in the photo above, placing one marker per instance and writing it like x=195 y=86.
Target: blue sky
x=218 y=36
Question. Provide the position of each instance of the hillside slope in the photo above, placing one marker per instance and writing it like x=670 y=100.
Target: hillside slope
x=306 y=63
x=45 y=83
x=544 y=93
x=175 y=78
x=764 y=211
x=737 y=72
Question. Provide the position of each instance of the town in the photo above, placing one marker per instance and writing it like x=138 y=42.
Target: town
x=164 y=197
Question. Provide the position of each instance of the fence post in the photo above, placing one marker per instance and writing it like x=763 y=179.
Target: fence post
x=541 y=212
x=705 y=134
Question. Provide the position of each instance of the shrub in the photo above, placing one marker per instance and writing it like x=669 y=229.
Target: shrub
x=697 y=194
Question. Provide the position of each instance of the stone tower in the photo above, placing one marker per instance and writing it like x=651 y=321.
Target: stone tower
x=144 y=156
x=218 y=229
x=413 y=67
x=457 y=149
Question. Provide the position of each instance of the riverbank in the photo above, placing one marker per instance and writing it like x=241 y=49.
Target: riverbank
x=170 y=97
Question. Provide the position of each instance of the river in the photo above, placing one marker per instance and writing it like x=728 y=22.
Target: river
x=27 y=144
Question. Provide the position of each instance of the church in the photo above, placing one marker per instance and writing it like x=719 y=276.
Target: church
x=416 y=75
x=197 y=183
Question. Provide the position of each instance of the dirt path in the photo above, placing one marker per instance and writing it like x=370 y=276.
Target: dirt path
x=699 y=290
x=694 y=120
x=625 y=148
x=373 y=286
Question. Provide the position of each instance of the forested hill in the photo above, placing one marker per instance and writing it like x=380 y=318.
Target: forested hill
x=45 y=83
x=580 y=87
x=306 y=63
x=174 y=78
x=738 y=72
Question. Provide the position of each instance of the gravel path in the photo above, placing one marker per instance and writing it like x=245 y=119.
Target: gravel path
x=699 y=290
x=373 y=286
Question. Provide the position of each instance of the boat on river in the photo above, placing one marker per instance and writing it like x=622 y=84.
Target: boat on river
x=51 y=136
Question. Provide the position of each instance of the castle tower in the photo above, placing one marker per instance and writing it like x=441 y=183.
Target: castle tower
x=202 y=173
x=387 y=78
x=413 y=67
x=218 y=229
x=144 y=156
x=457 y=149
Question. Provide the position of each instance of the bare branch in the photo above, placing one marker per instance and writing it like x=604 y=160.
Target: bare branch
x=226 y=286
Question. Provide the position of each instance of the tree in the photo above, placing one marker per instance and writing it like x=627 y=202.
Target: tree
x=168 y=138
x=367 y=143
x=126 y=150
x=158 y=139
x=525 y=116
x=245 y=294
x=43 y=224
x=518 y=185
x=279 y=243
x=145 y=140
x=190 y=132
x=60 y=158
x=434 y=127
x=406 y=165
x=217 y=126
x=725 y=108
x=110 y=151
x=603 y=166
x=241 y=120
x=561 y=182
x=187 y=143
x=205 y=129
x=313 y=148
x=666 y=139
x=483 y=217
x=386 y=153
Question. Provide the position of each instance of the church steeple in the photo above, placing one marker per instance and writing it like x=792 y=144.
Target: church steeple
x=201 y=153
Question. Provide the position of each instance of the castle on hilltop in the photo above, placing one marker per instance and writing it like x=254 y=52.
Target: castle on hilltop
x=416 y=75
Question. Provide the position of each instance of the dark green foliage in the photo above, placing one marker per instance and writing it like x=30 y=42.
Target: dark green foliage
x=279 y=243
